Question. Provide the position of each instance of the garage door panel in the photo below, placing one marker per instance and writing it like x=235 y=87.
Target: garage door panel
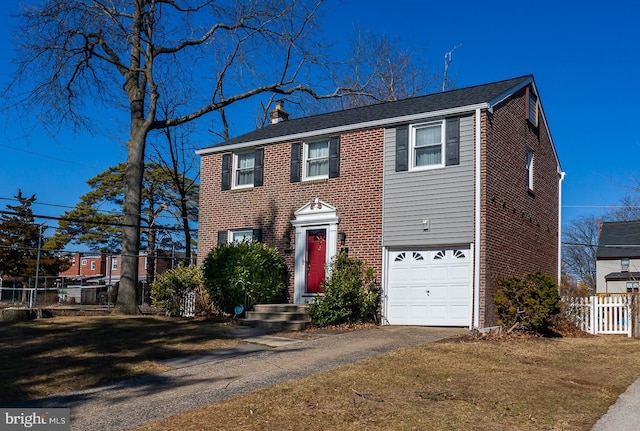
x=446 y=276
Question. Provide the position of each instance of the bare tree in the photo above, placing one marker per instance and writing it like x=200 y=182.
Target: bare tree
x=579 y=247
x=629 y=207
x=173 y=151
x=78 y=52
x=384 y=71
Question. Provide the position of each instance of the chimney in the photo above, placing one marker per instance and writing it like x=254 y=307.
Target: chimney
x=278 y=114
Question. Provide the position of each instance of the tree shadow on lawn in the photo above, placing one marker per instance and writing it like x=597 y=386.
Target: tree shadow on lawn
x=49 y=356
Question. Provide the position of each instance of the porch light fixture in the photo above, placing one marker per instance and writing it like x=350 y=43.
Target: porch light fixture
x=342 y=237
x=287 y=239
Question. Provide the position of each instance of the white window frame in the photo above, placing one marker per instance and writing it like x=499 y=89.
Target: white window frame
x=236 y=170
x=412 y=146
x=93 y=265
x=306 y=160
x=114 y=263
x=83 y=262
x=237 y=235
x=530 y=166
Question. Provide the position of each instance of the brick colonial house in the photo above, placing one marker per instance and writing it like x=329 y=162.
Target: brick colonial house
x=441 y=194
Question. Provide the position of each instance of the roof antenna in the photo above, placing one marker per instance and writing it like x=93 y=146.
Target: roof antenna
x=447 y=61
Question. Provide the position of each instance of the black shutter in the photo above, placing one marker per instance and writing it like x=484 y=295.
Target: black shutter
x=258 y=167
x=257 y=235
x=452 y=151
x=334 y=157
x=226 y=171
x=295 y=162
x=222 y=237
x=402 y=148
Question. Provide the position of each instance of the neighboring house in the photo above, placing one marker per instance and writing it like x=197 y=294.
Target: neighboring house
x=440 y=194
x=618 y=257
x=92 y=268
x=85 y=266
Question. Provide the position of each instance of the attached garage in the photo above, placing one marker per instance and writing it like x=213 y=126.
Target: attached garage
x=429 y=287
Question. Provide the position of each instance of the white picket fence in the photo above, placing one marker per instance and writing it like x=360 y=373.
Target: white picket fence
x=602 y=314
x=188 y=303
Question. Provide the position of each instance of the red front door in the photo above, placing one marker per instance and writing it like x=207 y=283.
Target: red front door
x=316 y=259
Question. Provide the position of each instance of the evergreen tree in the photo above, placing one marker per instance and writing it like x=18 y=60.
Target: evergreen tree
x=19 y=235
x=97 y=220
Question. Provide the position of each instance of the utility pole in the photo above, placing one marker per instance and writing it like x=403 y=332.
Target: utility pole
x=35 y=291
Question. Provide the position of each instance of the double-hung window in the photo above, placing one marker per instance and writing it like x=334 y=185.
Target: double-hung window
x=316 y=163
x=427 y=146
x=243 y=168
x=240 y=235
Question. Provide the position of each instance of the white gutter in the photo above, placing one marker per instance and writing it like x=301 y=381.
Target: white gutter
x=562 y=175
x=476 y=254
x=345 y=128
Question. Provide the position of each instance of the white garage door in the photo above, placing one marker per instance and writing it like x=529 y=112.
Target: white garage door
x=429 y=287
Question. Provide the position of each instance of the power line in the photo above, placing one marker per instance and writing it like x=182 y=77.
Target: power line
x=103 y=223
x=99 y=211
x=46 y=156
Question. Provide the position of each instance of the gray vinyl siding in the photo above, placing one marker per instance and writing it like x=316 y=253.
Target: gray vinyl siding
x=444 y=196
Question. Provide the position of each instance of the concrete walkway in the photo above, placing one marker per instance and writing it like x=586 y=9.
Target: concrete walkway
x=203 y=379
x=624 y=415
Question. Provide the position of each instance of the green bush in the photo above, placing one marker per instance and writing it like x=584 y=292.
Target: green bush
x=529 y=302
x=170 y=286
x=244 y=273
x=350 y=294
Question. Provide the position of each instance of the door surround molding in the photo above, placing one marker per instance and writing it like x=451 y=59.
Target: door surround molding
x=315 y=214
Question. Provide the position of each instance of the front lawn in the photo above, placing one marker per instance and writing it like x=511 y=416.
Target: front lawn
x=511 y=384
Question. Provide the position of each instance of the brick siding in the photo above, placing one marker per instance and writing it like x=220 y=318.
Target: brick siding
x=519 y=229
x=356 y=194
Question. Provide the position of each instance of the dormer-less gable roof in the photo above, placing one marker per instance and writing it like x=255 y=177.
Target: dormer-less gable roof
x=452 y=102
x=619 y=239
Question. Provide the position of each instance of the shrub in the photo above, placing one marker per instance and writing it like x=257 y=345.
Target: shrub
x=171 y=286
x=246 y=272
x=350 y=294
x=529 y=302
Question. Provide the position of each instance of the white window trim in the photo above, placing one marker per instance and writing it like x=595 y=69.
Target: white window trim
x=530 y=166
x=114 y=263
x=305 y=159
x=93 y=265
x=412 y=146
x=247 y=233
x=83 y=262
x=234 y=172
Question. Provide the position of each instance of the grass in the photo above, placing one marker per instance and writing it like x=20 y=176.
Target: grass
x=521 y=384
x=505 y=384
x=48 y=356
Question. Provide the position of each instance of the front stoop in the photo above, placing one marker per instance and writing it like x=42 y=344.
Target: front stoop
x=285 y=317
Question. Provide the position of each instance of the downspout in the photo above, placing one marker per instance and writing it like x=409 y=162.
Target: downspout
x=476 y=254
x=562 y=175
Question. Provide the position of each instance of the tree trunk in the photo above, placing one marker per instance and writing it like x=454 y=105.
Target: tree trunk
x=184 y=212
x=127 y=302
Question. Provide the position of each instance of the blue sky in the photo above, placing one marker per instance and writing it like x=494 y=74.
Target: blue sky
x=584 y=60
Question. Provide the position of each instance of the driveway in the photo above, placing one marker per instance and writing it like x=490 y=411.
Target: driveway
x=207 y=378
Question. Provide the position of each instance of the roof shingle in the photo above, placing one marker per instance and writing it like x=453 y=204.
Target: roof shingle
x=381 y=111
x=619 y=239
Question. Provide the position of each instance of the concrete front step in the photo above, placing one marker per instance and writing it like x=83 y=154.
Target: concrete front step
x=276 y=325
x=288 y=317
